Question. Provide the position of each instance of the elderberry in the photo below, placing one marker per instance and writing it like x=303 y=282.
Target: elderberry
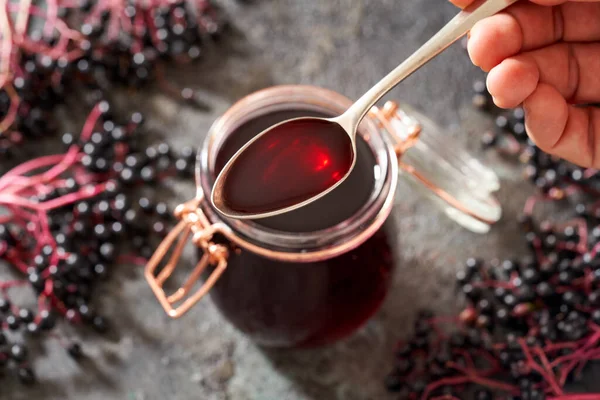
x=517 y=310
x=75 y=351
x=88 y=235
x=26 y=375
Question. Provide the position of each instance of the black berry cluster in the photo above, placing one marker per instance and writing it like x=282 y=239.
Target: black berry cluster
x=68 y=220
x=95 y=46
x=65 y=228
x=529 y=328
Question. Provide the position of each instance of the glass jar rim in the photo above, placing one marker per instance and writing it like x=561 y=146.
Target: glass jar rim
x=335 y=239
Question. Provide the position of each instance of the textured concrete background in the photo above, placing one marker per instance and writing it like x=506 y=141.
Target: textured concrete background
x=345 y=45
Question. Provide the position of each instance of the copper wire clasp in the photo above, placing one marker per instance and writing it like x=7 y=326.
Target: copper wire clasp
x=409 y=139
x=405 y=139
x=193 y=222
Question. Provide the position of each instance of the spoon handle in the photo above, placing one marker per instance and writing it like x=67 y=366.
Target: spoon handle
x=449 y=34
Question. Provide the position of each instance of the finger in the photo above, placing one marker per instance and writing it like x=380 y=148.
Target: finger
x=581 y=21
x=571 y=68
x=550 y=2
x=567 y=131
x=494 y=39
x=461 y=3
x=464 y=3
x=555 y=2
x=526 y=26
x=523 y=26
x=511 y=82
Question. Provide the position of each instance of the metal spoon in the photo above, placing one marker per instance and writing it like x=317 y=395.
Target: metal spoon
x=350 y=119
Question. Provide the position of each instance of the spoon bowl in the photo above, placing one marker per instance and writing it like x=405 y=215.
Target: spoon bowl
x=286 y=166
x=301 y=160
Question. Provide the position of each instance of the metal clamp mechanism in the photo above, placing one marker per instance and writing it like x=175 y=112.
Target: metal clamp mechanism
x=391 y=110
x=192 y=222
x=388 y=117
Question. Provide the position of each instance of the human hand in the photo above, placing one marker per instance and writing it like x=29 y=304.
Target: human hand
x=545 y=54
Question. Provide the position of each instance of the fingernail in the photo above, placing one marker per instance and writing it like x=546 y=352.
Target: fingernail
x=495 y=101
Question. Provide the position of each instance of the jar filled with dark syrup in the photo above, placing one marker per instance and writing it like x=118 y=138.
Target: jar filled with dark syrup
x=315 y=302
x=318 y=299
x=316 y=274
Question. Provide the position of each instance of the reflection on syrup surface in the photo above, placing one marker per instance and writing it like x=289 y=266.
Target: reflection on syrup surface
x=307 y=304
x=337 y=206
x=291 y=163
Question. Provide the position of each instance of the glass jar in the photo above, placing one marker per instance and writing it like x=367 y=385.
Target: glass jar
x=315 y=275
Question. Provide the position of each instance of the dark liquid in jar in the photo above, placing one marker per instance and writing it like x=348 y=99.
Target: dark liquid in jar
x=287 y=165
x=288 y=304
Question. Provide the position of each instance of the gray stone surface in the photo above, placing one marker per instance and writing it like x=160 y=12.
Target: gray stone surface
x=345 y=45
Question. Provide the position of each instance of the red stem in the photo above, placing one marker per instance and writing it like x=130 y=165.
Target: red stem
x=547 y=375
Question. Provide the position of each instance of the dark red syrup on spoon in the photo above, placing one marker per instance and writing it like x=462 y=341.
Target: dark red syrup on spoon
x=290 y=164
